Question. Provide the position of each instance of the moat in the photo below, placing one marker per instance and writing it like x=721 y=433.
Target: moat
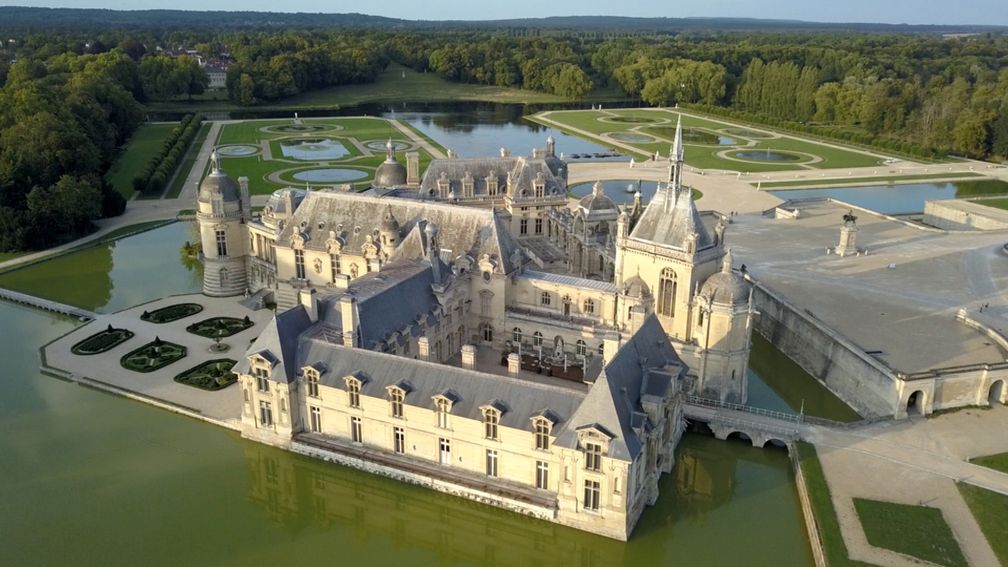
x=123 y=475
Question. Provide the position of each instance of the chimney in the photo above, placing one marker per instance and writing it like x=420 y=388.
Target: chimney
x=348 y=316
x=308 y=298
x=412 y=168
x=514 y=364
x=637 y=314
x=246 y=201
x=469 y=357
x=342 y=281
x=423 y=344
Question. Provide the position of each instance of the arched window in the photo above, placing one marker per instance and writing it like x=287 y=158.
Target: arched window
x=353 y=392
x=589 y=306
x=516 y=335
x=581 y=348
x=442 y=407
x=312 y=380
x=700 y=319
x=542 y=428
x=545 y=298
x=537 y=339
x=667 y=293
x=396 y=401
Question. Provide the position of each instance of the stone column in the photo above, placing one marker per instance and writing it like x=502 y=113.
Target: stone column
x=848 y=241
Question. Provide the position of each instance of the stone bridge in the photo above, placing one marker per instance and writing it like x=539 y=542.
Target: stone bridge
x=757 y=425
x=46 y=304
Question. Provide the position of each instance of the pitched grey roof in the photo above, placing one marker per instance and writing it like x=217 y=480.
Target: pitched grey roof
x=521 y=171
x=462 y=230
x=615 y=396
x=393 y=298
x=280 y=339
x=523 y=399
x=670 y=218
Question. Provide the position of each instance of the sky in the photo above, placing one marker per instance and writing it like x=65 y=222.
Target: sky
x=994 y=12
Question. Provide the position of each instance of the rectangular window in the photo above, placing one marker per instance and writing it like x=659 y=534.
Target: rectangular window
x=523 y=227
x=299 y=271
x=334 y=266
x=356 y=434
x=265 y=414
x=221 y=242
x=591 y=495
x=316 y=419
x=399 y=440
x=397 y=404
x=490 y=421
x=542 y=475
x=312 y=385
x=616 y=484
x=593 y=456
x=538 y=226
x=444 y=446
x=491 y=462
x=442 y=413
x=262 y=383
x=542 y=433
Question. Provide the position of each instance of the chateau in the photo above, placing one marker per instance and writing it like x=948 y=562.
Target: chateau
x=472 y=331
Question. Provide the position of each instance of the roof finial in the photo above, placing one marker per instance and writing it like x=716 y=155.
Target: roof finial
x=597 y=189
x=214 y=161
x=389 y=150
x=726 y=262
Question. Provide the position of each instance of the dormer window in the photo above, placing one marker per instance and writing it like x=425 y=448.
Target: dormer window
x=492 y=184
x=353 y=388
x=539 y=185
x=467 y=185
x=311 y=382
x=396 y=397
x=442 y=407
x=542 y=428
x=491 y=422
x=443 y=185
x=593 y=456
x=262 y=379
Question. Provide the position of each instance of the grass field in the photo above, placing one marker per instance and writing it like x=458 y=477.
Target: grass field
x=996 y=203
x=186 y=166
x=917 y=531
x=832 y=182
x=990 y=510
x=833 y=544
x=999 y=461
x=659 y=124
x=352 y=132
x=146 y=143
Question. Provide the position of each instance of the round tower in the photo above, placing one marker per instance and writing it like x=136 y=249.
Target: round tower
x=221 y=217
x=723 y=318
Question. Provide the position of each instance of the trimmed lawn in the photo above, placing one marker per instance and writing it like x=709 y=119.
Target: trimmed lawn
x=343 y=129
x=996 y=203
x=998 y=462
x=402 y=84
x=702 y=155
x=834 y=547
x=917 y=531
x=146 y=143
x=990 y=509
x=4 y=256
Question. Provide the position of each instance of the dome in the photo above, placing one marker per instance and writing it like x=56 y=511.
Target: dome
x=597 y=200
x=390 y=173
x=218 y=182
x=726 y=287
x=636 y=288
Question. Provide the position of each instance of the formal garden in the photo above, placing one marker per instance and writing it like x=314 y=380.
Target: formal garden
x=710 y=143
x=152 y=356
x=171 y=313
x=219 y=327
x=313 y=151
x=211 y=375
x=101 y=342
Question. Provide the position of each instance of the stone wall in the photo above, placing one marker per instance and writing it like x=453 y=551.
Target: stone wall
x=862 y=382
x=959 y=215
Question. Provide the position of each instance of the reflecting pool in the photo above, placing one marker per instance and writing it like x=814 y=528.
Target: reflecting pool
x=330 y=175
x=900 y=199
x=313 y=149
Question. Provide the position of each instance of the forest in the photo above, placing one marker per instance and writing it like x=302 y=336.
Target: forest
x=71 y=98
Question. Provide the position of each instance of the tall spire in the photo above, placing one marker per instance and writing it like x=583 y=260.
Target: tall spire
x=676 y=158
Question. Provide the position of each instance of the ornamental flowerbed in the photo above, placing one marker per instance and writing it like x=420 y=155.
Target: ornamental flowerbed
x=101 y=342
x=212 y=375
x=171 y=313
x=219 y=327
x=152 y=356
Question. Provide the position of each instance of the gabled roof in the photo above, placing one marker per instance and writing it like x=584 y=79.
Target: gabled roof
x=670 y=219
x=279 y=339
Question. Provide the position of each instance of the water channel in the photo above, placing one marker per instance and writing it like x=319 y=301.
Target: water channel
x=900 y=199
x=95 y=479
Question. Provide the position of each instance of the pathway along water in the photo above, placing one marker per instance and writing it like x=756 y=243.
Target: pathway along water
x=94 y=479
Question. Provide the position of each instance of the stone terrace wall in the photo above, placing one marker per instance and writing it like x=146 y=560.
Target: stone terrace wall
x=862 y=382
x=958 y=215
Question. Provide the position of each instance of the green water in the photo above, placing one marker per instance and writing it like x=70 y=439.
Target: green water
x=92 y=479
x=777 y=383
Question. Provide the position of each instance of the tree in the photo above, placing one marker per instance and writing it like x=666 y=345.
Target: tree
x=570 y=81
x=246 y=90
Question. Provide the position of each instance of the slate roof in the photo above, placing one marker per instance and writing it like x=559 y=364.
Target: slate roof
x=615 y=396
x=279 y=339
x=471 y=389
x=521 y=171
x=670 y=218
x=462 y=230
x=573 y=281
